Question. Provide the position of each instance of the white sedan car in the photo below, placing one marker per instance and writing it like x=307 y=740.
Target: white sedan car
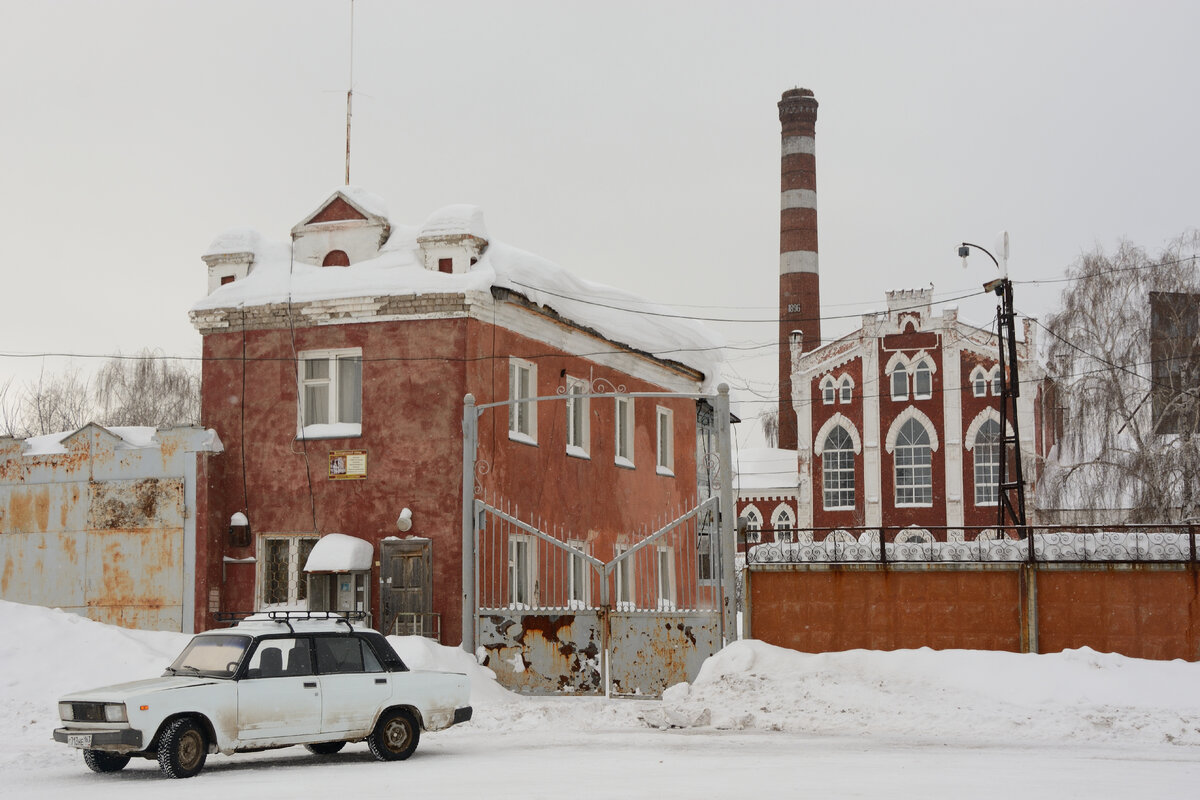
x=273 y=680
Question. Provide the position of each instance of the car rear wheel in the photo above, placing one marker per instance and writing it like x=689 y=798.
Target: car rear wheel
x=182 y=749
x=324 y=748
x=100 y=761
x=395 y=736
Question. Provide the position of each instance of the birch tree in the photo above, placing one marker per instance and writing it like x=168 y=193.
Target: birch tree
x=1124 y=354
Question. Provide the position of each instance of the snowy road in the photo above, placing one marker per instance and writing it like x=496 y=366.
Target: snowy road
x=554 y=763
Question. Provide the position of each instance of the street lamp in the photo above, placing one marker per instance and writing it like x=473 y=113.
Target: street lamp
x=1010 y=508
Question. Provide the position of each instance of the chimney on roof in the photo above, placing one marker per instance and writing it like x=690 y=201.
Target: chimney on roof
x=799 y=286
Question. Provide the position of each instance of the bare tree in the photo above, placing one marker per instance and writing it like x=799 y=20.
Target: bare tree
x=769 y=420
x=53 y=404
x=147 y=389
x=1125 y=357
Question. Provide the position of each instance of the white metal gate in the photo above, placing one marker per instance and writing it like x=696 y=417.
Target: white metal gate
x=552 y=618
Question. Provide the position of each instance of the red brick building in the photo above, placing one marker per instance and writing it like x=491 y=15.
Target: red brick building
x=335 y=369
x=897 y=423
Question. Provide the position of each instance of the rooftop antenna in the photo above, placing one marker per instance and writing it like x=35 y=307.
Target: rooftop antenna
x=350 y=93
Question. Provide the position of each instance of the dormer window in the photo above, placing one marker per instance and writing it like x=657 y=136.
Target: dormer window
x=336 y=258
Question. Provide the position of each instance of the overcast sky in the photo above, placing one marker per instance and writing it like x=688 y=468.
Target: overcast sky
x=635 y=143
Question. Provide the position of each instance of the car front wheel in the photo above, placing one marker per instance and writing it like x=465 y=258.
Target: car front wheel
x=395 y=736
x=182 y=749
x=100 y=761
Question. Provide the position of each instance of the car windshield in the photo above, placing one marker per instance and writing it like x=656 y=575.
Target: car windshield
x=213 y=655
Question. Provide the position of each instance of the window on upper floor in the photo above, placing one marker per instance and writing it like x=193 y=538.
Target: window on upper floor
x=666 y=441
x=922 y=381
x=782 y=523
x=330 y=393
x=522 y=412
x=828 y=391
x=900 y=382
x=913 y=458
x=996 y=387
x=837 y=470
x=987 y=464
x=846 y=390
x=979 y=383
x=578 y=427
x=624 y=431
x=753 y=526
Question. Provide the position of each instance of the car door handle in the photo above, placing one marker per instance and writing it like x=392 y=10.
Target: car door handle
x=381 y=680
x=310 y=685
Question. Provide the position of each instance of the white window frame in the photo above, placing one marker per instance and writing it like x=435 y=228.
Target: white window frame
x=335 y=427
x=522 y=416
x=781 y=520
x=522 y=563
x=297 y=591
x=995 y=376
x=579 y=429
x=753 y=526
x=846 y=390
x=623 y=425
x=839 y=469
x=900 y=372
x=922 y=369
x=979 y=382
x=625 y=583
x=579 y=586
x=828 y=391
x=987 y=491
x=916 y=491
x=665 y=437
x=664 y=585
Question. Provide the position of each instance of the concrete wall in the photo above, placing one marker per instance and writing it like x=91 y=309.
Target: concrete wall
x=1138 y=610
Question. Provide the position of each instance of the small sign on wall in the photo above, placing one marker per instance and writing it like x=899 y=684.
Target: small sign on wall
x=347 y=465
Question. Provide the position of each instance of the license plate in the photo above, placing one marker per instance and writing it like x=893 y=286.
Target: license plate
x=79 y=739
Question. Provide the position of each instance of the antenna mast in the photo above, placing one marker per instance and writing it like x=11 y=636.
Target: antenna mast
x=350 y=93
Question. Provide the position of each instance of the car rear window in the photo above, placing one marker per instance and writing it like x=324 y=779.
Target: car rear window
x=345 y=654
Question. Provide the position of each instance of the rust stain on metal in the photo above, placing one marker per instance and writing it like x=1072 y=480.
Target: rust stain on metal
x=41 y=508
x=117 y=505
x=20 y=511
x=6 y=576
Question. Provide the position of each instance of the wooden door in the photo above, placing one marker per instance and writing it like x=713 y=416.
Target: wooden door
x=406 y=571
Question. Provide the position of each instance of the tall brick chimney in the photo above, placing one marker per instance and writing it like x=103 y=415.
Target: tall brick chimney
x=799 y=284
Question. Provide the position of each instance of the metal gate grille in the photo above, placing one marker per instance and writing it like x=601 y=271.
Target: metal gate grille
x=553 y=616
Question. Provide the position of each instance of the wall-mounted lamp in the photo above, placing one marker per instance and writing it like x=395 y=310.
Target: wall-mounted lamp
x=239 y=530
x=404 y=521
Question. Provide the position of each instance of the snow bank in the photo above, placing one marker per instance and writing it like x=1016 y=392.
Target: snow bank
x=942 y=696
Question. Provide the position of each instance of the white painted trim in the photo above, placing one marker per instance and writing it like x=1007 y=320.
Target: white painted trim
x=797 y=198
x=826 y=429
x=905 y=416
x=799 y=145
x=989 y=413
x=797 y=261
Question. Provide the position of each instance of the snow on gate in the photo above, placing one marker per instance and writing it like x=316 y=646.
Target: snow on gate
x=553 y=618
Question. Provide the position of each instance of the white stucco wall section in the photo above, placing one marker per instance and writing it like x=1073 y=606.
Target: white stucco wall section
x=872 y=460
x=952 y=416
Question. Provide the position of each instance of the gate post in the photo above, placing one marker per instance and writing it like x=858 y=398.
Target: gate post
x=470 y=436
x=726 y=540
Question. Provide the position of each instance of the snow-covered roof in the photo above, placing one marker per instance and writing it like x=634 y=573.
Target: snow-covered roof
x=616 y=314
x=133 y=437
x=765 y=468
x=237 y=240
x=337 y=552
x=456 y=220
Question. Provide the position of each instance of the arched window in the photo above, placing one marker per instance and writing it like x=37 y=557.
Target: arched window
x=996 y=382
x=922 y=381
x=987 y=464
x=914 y=465
x=847 y=389
x=753 y=526
x=900 y=383
x=837 y=469
x=979 y=382
x=828 y=392
x=782 y=523
x=336 y=258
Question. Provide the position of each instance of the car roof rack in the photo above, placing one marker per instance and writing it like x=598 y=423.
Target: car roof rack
x=285 y=617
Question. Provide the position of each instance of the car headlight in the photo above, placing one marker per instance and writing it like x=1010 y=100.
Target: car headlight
x=115 y=712
x=66 y=712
